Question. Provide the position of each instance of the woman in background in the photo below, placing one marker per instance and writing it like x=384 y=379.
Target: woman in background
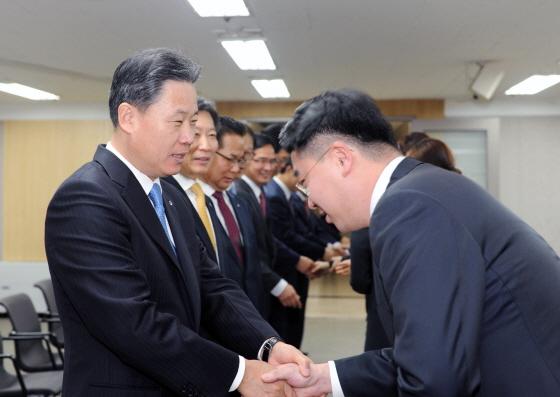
x=435 y=152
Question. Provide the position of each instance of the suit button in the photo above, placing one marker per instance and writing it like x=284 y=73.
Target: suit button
x=183 y=389
x=191 y=393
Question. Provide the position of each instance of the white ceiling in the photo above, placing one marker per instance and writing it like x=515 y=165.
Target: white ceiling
x=392 y=49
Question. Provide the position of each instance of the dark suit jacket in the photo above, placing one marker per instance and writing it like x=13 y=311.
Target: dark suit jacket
x=283 y=225
x=131 y=309
x=274 y=253
x=247 y=275
x=469 y=295
x=361 y=280
x=201 y=231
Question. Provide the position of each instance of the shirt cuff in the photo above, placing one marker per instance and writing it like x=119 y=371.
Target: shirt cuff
x=279 y=288
x=239 y=376
x=335 y=382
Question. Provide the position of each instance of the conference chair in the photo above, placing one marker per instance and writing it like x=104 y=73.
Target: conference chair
x=43 y=384
x=51 y=316
x=34 y=351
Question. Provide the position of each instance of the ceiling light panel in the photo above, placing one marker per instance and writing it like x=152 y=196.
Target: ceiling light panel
x=250 y=55
x=271 y=88
x=220 y=8
x=28 y=92
x=534 y=84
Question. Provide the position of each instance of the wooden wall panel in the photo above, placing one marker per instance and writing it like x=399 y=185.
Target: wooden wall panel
x=408 y=108
x=38 y=157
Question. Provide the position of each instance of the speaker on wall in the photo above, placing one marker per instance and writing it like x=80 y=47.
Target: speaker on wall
x=487 y=80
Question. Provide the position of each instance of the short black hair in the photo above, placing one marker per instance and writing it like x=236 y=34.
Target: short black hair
x=207 y=105
x=348 y=112
x=229 y=125
x=139 y=79
x=273 y=131
x=262 y=140
x=288 y=164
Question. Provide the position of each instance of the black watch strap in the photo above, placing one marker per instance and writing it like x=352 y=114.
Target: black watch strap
x=267 y=347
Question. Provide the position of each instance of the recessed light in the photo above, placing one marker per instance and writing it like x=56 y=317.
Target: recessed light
x=220 y=8
x=249 y=54
x=271 y=88
x=28 y=92
x=534 y=84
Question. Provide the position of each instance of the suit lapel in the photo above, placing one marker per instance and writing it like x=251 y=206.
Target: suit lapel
x=186 y=266
x=404 y=167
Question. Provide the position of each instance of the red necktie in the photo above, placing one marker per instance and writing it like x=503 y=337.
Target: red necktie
x=263 y=203
x=231 y=225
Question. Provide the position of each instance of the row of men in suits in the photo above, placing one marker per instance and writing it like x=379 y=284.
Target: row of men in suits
x=254 y=241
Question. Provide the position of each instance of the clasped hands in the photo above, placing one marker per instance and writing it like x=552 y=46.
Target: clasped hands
x=288 y=373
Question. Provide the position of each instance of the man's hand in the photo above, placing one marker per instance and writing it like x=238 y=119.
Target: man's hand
x=290 y=298
x=342 y=268
x=253 y=385
x=305 y=265
x=345 y=242
x=319 y=268
x=317 y=384
x=282 y=353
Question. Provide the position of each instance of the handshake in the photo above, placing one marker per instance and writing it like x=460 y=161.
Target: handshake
x=288 y=373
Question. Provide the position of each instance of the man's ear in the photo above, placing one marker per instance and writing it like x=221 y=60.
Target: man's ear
x=344 y=157
x=126 y=113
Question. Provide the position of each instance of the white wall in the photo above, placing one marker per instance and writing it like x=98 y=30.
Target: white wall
x=530 y=172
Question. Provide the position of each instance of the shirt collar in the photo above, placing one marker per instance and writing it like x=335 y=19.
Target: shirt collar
x=144 y=179
x=185 y=182
x=382 y=182
x=287 y=192
x=206 y=188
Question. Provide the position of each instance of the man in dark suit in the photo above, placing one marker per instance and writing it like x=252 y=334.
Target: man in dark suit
x=231 y=219
x=468 y=294
x=282 y=210
x=133 y=283
x=196 y=162
x=275 y=255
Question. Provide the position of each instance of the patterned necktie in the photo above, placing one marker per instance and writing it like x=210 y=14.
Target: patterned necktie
x=233 y=229
x=263 y=203
x=155 y=196
x=202 y=213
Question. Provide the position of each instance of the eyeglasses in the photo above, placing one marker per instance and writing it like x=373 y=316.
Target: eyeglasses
x=263 y=161
x=248 y=155
x=299 y=185
x=231 y=161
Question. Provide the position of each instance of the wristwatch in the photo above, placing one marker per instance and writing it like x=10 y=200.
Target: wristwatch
x=267 y=347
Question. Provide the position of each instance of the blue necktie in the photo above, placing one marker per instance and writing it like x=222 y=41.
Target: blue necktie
x=155 y=196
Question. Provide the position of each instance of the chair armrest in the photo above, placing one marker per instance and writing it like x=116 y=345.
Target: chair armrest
x=18 y=372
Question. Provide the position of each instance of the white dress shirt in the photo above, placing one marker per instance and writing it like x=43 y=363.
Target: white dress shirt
x=186 y=184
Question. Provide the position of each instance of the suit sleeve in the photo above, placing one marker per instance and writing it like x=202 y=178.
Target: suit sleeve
x=433 y=283
x=92 y=250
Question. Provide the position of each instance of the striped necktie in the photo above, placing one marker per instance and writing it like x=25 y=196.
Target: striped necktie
x=202 y=212
x=231 y=225
x=157 y=200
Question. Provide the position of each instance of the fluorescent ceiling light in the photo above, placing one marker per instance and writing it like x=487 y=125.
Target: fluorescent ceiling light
x=28 y=92
x=220 y=8
x=249 y=55
x=271 y=88
x=534 y=84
